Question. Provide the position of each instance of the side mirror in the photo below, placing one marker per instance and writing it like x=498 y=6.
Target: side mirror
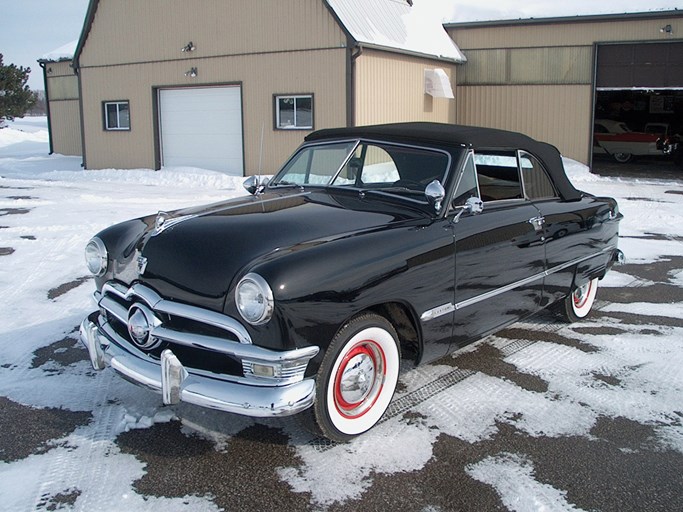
x=473 y=205
x=434 y=192
x=255 y=184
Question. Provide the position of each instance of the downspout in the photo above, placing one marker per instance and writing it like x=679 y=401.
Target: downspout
x=47 y=107
x=352 y=55
x=80 y=110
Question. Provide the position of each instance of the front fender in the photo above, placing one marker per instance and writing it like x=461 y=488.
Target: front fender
x=319 y=286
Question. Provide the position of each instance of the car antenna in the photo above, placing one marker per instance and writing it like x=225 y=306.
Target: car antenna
x=260 y=156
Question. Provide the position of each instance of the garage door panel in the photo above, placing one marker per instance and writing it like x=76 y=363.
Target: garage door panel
x=202 y=127
x=644 y=65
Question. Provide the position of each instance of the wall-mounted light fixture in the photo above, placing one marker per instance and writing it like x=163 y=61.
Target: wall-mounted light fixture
x=667 y=29
x=192 y=72
x=189 y=47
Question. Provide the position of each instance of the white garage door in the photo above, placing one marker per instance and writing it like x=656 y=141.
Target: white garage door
x=202 y=127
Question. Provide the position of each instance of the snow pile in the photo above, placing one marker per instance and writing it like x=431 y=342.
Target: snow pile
x=65 y=52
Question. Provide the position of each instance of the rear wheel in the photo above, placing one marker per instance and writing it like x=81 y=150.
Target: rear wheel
x=357 y=378
x=578 y=304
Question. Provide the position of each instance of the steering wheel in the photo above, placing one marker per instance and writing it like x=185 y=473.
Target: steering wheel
x=409 y=184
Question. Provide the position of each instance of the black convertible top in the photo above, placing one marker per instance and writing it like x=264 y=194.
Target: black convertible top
x=468 y=136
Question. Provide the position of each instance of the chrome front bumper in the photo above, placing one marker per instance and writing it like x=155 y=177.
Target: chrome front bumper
x=176 y=384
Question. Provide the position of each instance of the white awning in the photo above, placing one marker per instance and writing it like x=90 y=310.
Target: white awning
x=437 y=84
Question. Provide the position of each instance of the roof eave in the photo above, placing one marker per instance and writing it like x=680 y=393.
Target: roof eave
x=85 y=31
x=403 y=51
x=567 y=19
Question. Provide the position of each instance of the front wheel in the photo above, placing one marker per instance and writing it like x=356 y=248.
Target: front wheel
x=357 y=377
x=578 y=304
x=622 y=158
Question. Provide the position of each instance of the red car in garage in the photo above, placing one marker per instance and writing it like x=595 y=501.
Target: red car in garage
x=616 y=139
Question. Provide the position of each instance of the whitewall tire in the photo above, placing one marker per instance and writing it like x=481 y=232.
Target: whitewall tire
x=579 y=303
x=357 y=377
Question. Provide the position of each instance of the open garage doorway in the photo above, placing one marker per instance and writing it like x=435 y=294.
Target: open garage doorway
x=638 y=116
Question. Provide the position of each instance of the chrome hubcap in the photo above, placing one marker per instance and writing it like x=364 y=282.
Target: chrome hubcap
x=357 y=379
x=581 y=295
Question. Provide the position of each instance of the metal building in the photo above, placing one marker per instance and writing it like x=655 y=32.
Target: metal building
x=551 y=78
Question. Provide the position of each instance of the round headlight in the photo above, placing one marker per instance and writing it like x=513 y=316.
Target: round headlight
x=254 y=299
x=96 y=256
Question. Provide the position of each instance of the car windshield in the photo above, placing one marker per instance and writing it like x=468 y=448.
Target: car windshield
x=368 y=166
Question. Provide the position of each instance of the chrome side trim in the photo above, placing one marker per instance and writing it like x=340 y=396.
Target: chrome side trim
x=512 y=286
x=445 y=309
x=438 y=311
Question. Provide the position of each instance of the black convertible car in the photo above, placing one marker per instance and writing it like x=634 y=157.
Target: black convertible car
x=372 y=245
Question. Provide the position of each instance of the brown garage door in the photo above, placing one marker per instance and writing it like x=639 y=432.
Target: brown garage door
x=646 y=65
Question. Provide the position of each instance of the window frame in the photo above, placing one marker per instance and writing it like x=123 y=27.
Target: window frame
x=513 y=153
x=105 y=116
x=520 y=154
x=295 y=97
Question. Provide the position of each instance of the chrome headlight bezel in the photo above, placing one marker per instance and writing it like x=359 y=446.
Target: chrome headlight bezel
x=254 y=299
x=96 y=257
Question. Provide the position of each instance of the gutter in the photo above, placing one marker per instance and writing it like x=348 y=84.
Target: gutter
x=676 y=13
x=42 y=63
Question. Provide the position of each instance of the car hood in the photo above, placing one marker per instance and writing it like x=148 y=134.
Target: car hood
x=202 y=252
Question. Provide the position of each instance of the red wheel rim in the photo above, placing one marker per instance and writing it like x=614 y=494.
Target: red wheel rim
x=582 y=294
x=359 y=379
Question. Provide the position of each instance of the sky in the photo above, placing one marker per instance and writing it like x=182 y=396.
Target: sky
x=30 y=29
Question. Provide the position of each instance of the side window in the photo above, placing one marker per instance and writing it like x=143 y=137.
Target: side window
x=498 y=175
x=294 y=112
x=116 y=115
x=467 y=186
x=537 y=184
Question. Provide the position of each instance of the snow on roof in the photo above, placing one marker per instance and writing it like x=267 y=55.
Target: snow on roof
x=65 y=52
x=394 y=24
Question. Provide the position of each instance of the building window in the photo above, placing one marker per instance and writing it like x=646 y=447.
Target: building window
x=294 y=112
x=116 y=115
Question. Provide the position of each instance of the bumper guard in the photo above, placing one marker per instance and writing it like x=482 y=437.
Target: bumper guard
x=176 y=384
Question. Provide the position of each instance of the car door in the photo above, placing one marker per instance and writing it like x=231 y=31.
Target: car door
x=574 y=231
x=500 y=257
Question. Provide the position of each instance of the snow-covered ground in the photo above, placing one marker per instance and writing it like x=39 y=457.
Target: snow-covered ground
x=50 y=207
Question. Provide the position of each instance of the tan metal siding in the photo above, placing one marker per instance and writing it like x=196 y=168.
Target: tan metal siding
x=65 y=125
x=564 y=34
x=61 y=68
x=390 y=88
x=554 y=114
x=321 y=72
x=65 y=118
x=128 y=31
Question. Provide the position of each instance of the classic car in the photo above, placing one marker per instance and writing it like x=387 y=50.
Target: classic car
x=372 y=246
x=616 y=139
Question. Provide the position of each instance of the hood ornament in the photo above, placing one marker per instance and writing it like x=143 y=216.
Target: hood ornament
x=165 y=220
x=141 y=265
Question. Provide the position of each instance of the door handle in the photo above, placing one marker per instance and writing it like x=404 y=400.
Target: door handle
x=537 y=223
